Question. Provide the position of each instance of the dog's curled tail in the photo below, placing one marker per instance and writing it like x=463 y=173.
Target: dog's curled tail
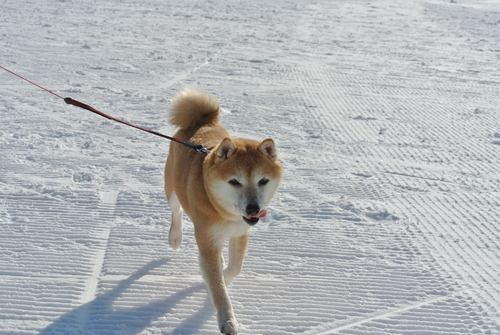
x=193 y=108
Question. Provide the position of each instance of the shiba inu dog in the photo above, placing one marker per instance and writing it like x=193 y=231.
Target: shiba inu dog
x=224 y=192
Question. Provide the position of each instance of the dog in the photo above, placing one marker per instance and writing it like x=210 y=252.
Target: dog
x=224 y=192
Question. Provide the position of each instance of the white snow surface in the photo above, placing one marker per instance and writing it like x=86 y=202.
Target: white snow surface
x=387 y=118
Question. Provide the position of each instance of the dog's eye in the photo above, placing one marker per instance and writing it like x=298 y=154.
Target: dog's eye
x=263 y=181
x=235 y=183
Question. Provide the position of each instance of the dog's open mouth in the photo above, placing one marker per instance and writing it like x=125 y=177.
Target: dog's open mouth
x=251 y=220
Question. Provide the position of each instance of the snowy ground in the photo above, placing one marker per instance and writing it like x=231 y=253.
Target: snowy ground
x=386 y=114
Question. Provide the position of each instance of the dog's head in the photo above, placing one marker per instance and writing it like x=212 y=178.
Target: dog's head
x=242 y=176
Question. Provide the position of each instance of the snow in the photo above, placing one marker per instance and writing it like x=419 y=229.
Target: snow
x=386 y=116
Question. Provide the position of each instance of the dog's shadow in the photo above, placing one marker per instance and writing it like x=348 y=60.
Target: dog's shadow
x=99 y=317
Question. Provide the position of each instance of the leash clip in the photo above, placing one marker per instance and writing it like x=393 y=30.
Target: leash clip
x=197 y=147
x=203 y=149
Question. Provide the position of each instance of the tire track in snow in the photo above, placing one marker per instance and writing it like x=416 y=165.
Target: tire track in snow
x=463 y=242
x=53 y=261
x=335 y=328
x=471 y=261
x=336 y=100
x=174 y=81
x=106 y=213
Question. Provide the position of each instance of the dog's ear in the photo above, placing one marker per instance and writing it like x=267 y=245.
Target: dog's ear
x=224 y=151
x=268 y=148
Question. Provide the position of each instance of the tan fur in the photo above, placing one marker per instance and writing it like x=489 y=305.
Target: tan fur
x=203 y=186
x=197 y=108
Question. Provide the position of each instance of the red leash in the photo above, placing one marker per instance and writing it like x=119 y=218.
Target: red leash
x=194 y=146
x=29 y=81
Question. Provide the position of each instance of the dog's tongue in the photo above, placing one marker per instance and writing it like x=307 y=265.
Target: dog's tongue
x=261 y=214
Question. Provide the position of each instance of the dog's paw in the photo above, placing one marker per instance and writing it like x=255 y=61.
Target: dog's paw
x=175 y=238
x=229 y=327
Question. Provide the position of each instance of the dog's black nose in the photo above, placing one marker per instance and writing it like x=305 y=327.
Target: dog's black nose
x=253 y=209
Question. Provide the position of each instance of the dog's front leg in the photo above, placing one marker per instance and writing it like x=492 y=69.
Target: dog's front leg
x=211 y=266
x=237 y=250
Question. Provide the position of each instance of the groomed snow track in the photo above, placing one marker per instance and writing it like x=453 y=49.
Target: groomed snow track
x=386 y=114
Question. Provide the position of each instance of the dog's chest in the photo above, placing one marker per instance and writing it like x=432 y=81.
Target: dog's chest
x=231 y=229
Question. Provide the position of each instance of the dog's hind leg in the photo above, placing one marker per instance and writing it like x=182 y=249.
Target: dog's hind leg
x=175 y=233
x=237 y=250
